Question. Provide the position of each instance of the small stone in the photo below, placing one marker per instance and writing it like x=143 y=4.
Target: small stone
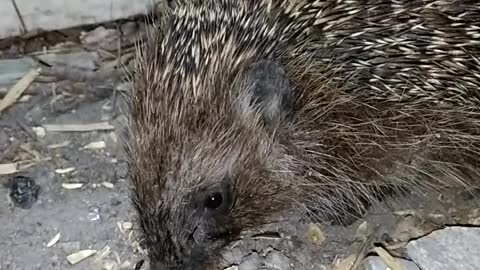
x=54 y=240
x=95 y=145
x=362 y=231
x=437 y=218
x=93 y=213
x=107 y=185
x=115 y=202
x=407 y=228
x=39 y=131
x=72 y=185
x=79 y=256
x=23 y=191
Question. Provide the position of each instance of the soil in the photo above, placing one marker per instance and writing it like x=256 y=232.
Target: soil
x=98 y=215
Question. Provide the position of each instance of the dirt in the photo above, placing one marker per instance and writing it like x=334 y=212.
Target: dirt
x=97 y=215
x=71 y=213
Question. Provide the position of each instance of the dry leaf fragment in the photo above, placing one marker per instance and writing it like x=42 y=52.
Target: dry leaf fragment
x=127 y=225
x=59 y=145
x=113 y=136
x=389 y=260
x=8 y=168
x=72 y=185
x=120 y=227
x=95 y=145
x=474 y=217
x=54 y=240
x=102 y=254
x=107 y=185
x=16 y=91
x=79 y=256
x=79 y=127
x=124 y=226
x=407 y=212
x=65 y=170
x=27 y=147
x=347 y=263
x=474 y=221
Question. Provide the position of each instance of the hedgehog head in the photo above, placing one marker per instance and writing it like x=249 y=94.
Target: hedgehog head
x=206 y=100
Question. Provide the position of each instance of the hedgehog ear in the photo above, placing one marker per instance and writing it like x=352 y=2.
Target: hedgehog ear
x=265 y=89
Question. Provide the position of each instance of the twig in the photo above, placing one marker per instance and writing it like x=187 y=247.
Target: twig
x=9 y=168
x=119 y=63
x=79 y=127
x=20 y=17
x=16 y=91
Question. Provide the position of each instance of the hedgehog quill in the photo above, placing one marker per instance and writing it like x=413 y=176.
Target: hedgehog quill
x=242 y=109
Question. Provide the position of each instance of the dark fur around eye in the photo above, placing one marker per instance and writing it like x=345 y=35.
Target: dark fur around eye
x=214 y=200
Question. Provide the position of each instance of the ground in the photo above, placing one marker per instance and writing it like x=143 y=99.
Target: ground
x=98 y=215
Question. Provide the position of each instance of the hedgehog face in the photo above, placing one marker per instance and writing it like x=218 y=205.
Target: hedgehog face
x=190 y=230
x=204 y=196
x=198 y=184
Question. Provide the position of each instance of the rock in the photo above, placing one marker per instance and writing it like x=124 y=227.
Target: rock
x=233 y=255
x=12 y=70
x=250 y=262
x=452 y=248
x=278 y=261
x=376 y=263
x=82 y=59
x=23 y=191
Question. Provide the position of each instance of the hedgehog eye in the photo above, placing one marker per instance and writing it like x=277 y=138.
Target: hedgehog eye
x=214 y=200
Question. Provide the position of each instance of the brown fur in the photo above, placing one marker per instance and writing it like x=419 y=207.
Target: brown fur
x=383 y=96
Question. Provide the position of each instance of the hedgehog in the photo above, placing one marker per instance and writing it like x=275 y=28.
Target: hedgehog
x=239 y=110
